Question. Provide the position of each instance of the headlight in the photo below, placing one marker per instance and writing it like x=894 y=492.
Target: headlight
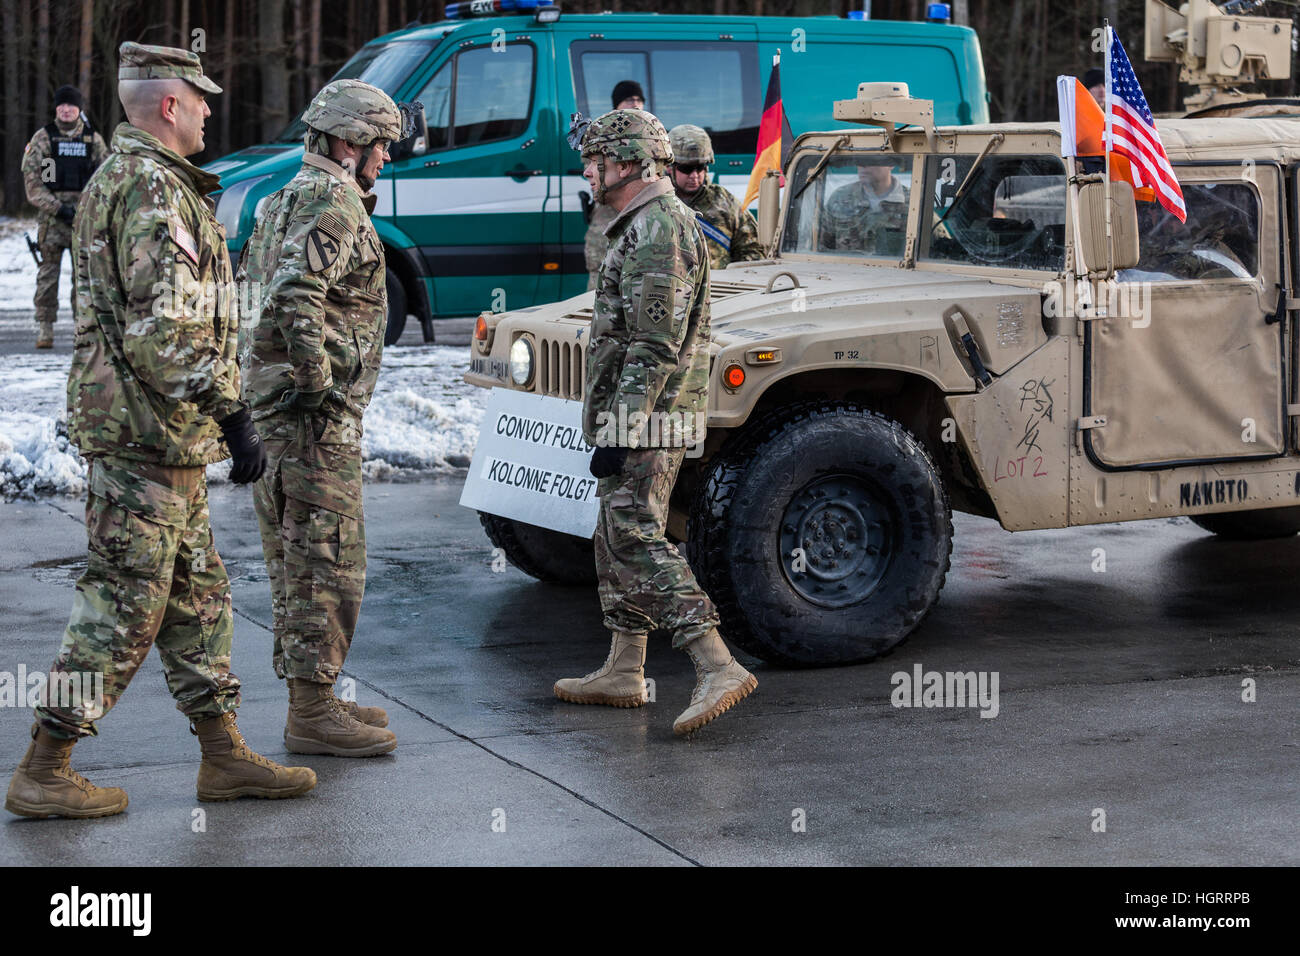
x=230 y=205
x=521 y=361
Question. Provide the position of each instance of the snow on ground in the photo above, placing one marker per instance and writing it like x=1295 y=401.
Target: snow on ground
x=18 y=269
x=423 y=420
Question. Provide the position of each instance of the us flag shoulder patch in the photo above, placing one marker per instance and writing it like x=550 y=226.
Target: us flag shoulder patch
x=324 y=241
x=182 y=237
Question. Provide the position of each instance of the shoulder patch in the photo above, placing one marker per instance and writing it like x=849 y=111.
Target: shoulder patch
x=183 y=238
x=324 y=241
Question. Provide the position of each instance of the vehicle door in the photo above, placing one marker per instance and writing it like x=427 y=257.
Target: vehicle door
x=1188 y=368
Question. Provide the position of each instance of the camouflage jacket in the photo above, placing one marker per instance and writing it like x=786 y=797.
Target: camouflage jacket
x=324 y=302
x=154 y=361
x=857 y=220
x=649 y=344
x=734 y=233
x=39 y=191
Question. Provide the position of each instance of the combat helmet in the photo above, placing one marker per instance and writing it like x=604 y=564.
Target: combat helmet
x=356 y=112
x=628 y=136
x=690 y=144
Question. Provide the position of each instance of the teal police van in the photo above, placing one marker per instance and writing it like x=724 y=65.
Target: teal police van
x=487 y=210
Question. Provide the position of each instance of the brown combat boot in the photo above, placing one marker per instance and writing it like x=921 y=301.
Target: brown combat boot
x=373 y=716
x=319 y=723
x=620 y=682
x=45 y=785
x=45 y=334
x=231 y=769
x=720 y=683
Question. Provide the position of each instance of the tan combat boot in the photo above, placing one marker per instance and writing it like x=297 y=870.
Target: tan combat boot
x=319 y=723
x=619 y=683
x=720 y=682
x=45 y=334
x=374 y=716
x=45 y=785
x=231 y=769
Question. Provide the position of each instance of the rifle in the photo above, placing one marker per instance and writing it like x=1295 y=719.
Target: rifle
x=33 y=248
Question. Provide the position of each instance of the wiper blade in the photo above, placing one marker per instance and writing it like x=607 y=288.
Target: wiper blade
x=821 y=165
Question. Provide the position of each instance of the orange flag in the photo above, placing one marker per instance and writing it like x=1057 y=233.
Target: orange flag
x=1083 y=131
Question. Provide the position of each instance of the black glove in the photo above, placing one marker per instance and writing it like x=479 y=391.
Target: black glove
x=306 y=401
x=245 y=446
x=67 y=213
x=608 y=460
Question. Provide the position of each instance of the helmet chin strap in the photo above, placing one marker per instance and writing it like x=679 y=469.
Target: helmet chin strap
x=602 y=190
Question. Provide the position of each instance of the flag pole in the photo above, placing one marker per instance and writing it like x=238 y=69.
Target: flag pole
x=1106 y=148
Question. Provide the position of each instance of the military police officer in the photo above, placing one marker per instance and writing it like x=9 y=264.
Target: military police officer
x=152 y=392
x=648 y=360
x=310 y=364
x=730 y=232
x=56 y=167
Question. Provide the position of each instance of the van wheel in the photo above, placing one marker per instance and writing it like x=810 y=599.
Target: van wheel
x=823 y=534
x=396 y=308
x=1257 y=525
x=550 y=556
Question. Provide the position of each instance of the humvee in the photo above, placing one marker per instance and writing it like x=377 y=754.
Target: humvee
x=1036 y=347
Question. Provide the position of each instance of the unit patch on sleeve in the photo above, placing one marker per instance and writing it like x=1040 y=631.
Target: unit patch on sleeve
x=324 y=242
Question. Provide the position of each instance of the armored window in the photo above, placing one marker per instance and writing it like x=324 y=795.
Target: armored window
x=707 y=83
x=856 y=204
x=1007 y=211
x=1220 y=239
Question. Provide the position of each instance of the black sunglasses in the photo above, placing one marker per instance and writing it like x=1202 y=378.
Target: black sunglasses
x=686 y=169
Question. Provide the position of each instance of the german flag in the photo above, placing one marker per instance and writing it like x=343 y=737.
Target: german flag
x=773 y=147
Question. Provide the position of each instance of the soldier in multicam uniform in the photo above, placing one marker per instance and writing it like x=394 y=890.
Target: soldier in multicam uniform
x=730 y=232
x=310 y=363
x=56 y=166
x=869 y=215
x=627 y=95
x=648 y=355
x=152 y=392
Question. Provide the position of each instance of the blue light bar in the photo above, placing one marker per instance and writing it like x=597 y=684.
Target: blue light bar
x=486 y=8
x=938 y=12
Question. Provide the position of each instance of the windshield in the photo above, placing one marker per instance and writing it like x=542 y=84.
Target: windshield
x=1010 y=214
x=857 y=205
x=385 y=65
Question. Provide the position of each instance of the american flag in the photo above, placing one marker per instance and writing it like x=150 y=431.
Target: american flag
x=1131 y=130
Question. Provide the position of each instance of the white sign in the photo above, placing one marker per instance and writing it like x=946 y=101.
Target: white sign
x=532 y=464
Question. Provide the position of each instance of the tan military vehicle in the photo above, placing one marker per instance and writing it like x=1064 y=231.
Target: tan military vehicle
x=1033 y=347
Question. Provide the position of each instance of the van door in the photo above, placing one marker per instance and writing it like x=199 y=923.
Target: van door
x=475 y=202
x=1191 y=369
x=707 y=76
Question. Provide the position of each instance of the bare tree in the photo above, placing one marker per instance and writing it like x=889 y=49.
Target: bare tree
x=87 y=47
x=14 y=138
x=275 y=72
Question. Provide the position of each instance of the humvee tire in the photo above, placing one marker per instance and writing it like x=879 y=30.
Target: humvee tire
x=1252 y=525
x=550 y=556
x=859 y=494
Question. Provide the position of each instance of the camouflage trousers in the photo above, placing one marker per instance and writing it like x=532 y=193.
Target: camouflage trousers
x=53 y=236
x=314 y=539
x=153 y=577
x=645 y=584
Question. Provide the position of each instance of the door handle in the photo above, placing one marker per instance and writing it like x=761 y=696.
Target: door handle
x=523 y=173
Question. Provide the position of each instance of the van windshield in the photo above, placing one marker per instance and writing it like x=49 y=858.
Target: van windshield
x=385 y=65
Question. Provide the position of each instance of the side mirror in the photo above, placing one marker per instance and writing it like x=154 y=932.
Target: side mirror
x=769 y=208
x=1092 y=229
x=417 y=144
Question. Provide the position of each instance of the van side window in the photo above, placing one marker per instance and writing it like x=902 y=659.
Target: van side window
x=708 y=83
x=1220 y=239
x=480 y=96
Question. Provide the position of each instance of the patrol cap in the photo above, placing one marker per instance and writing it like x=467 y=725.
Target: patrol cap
x=136 y=61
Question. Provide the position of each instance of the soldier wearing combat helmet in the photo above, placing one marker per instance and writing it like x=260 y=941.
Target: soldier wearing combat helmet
x=310 y=361
x=730 y=232
x=647 y=366
x=153 y=398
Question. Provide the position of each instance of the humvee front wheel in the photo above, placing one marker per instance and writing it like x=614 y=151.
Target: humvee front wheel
x=823 y=535
x=1257 y=525
x=550 y=556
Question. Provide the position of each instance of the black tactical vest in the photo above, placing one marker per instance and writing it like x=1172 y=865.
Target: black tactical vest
x=72 y=157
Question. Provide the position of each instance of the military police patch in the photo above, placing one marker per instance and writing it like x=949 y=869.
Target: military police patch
x=324 y=242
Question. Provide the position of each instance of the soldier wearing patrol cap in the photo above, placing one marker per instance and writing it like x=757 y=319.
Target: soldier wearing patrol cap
x=730 y=232
x=153 y=398
x=310 y=361
x=648 y=359
x=56 y=166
